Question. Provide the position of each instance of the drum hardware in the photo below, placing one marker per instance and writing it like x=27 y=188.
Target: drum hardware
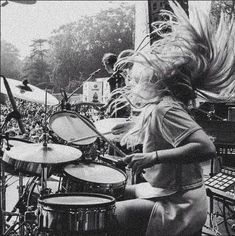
x=13 y=104
x=103 y=137
x=73 y=133
x=44 y=157
x=64 y=103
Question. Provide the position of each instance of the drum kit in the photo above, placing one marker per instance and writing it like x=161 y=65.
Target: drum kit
x=66 y=194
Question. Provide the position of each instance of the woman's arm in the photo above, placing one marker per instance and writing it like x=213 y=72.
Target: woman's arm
x=197 y=147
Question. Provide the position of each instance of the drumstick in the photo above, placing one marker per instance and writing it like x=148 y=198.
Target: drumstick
x=102 y=136
x=88 y=137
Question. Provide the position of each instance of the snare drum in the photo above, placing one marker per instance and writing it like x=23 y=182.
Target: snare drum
x=94 y=178
x=75 y=214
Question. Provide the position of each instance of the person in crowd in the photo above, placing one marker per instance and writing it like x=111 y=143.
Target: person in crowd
x=185 y=62
x=116 y=81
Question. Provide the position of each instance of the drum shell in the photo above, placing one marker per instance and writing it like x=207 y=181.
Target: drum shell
x=27 y=168
x=70 y=184
x=76 y=218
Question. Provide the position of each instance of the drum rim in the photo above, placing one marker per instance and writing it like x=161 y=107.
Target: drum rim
x=112 y=200
x=19 y=139
x=101 y=184
x=71 y=112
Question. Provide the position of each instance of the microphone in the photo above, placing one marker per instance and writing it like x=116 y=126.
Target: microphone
x=95 y=72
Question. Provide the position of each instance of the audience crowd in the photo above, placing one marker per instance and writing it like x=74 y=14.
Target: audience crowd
x=32 y=116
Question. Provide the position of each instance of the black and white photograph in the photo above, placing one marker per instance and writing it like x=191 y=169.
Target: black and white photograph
x=117 y=118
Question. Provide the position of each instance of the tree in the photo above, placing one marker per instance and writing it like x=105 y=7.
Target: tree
x=36 y=67
x=76 y=49
x=10 y=61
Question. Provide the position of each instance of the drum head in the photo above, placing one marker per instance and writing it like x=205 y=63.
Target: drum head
x=70 y=127
x=95 y=173
x=77 y=200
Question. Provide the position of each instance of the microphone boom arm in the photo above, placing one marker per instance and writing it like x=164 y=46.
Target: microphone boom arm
x=89 y=78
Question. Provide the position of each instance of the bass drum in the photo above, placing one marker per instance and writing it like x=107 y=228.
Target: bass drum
x=94 y=178
x=76 y=214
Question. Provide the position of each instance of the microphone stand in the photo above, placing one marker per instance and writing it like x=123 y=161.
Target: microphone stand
x=88 y=79
x=13 y=104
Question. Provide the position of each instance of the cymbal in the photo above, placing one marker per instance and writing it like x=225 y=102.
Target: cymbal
x=28 y=92
x=50 y=154
x=106 y=125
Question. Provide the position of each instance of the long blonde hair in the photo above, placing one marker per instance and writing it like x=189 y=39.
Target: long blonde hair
x=185 y=62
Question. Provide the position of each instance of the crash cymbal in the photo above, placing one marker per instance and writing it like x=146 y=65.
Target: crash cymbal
x=28 y=92
x=50 y=154
x=105 y=126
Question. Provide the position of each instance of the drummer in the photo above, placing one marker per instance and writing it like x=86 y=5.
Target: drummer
x=173 y=200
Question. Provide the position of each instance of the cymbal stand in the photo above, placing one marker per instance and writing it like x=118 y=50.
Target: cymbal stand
x=21 y=216
x=44 y=173
x=2 y=196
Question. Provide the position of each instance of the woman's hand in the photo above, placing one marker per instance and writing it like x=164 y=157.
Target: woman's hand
x=122 y=128
x=140 y=161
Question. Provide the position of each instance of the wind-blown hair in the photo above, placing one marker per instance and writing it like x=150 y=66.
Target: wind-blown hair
x=186 y=61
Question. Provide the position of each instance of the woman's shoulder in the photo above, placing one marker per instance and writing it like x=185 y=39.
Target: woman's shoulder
x=165 y=104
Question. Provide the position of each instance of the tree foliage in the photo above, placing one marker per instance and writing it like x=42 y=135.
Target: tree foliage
x=10 y=61
x=76 y=49
x=36 y=67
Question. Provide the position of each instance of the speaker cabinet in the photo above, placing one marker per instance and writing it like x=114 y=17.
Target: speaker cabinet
x=231 y=114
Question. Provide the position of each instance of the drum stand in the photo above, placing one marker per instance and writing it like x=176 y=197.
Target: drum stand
x=3 y=212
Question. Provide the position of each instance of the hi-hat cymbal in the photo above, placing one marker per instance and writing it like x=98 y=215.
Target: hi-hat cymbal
x=37 y=153
x=28 y=92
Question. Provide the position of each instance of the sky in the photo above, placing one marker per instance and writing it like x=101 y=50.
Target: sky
x=21 y=23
